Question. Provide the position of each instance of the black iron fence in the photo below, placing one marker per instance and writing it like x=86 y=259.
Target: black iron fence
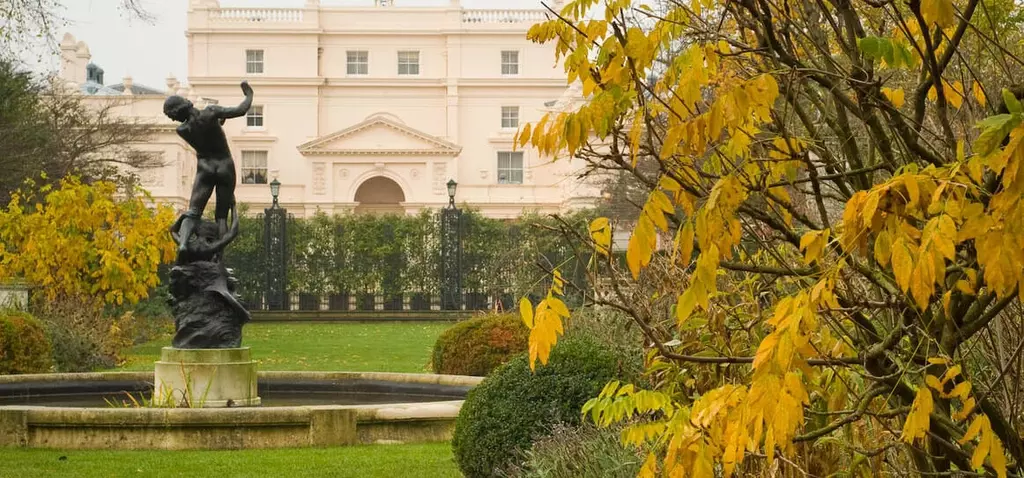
x=438 y=260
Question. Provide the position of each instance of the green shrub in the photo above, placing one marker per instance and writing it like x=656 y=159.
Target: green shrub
x=24 y=347
x=584 y=451
x=479 y=345
x=610 y=328
x=513 y=406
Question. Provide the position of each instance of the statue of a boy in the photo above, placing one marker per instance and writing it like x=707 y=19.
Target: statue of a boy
x=215 y=170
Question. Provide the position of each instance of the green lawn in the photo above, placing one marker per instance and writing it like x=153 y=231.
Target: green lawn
x=338 y=346
x=421 y=461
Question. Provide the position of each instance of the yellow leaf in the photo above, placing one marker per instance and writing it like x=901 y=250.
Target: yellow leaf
x=686 y=244
x=650 y=468
x=938 y=11
x=998 y=457
x=964 y=412
x=913 y=191
x=918 y=420
x=933 y=382
x=902 y=264
x=641 y=246
x=522 y=137
x=956 y=94
x=883 y=248
x=979 y=93
x=974 y=429
x=962 y=390
x=685 y=305
x=984 y=446
x=895 y=95
x=951 y=373
x=545 y=332
x=526 y=312
x=813 y=244
x=601 y=233
x=558 y=307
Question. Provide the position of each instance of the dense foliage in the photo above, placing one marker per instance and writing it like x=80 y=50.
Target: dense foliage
x=842 y=184
x=353 y=255
x=46 y=128
x=85 y=242
x=87 y=250
x=24 y=347
x=510 y=408
x=479 y=345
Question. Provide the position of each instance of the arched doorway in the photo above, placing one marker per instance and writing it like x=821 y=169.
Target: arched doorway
x=380 y=195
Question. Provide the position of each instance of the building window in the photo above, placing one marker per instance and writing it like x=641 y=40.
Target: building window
x=510 y=167
x=358 y=62
x=509 y=62
x=509 y=116
x=254 y=167
x=254 y=117
x=408 y=63
x=254 y=61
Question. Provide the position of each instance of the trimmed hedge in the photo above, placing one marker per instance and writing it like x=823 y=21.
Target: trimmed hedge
x=513 y=406
x=24 y=347
x=479 y=345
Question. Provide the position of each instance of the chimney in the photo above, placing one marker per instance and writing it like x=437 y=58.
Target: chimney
x=127 y=82
x=94 y=73
x=172 y=84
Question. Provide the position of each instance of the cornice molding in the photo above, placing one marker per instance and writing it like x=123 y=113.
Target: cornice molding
x=379 y=152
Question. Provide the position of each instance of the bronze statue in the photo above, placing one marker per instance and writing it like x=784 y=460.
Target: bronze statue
x=215 y=170
x=206 y=312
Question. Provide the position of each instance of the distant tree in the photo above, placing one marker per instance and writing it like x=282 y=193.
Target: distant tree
x=46 y=129
x=29 y=24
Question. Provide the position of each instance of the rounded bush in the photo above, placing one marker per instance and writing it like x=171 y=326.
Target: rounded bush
x=24 y=347
x=513 y=406
x=479 y=345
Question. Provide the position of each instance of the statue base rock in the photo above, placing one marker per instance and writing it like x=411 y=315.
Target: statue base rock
x=205 y=378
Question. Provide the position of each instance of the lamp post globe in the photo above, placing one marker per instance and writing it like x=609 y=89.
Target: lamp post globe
x=451 y=192
x=275 y=189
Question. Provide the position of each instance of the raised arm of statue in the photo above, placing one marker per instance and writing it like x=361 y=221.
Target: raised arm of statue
x=223 y=112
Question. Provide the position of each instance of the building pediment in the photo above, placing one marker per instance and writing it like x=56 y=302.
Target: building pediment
x=380 y=134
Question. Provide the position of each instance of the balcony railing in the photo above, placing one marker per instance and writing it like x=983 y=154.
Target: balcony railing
x=257 y=15
x=503 y=16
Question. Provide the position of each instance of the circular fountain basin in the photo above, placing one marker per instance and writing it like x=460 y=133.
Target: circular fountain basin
x=100 y=410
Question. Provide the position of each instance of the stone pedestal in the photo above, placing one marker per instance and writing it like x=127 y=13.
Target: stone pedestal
x=209 y=378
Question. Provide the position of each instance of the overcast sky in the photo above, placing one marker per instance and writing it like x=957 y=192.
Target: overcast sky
x=149 y=52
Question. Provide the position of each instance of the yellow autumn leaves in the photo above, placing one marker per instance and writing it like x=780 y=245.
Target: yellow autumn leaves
x=918 y=421
x=545 y=323
x=82 y=240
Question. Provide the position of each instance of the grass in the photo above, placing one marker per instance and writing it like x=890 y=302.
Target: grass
x=428 y=461
x=346 y=346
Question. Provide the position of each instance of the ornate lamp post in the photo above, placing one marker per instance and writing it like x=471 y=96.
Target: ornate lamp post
x=451 y=192
x=275 y=251
x=451 y=253
x=275 y=189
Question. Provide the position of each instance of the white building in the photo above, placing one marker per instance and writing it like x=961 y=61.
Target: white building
x=363 y=108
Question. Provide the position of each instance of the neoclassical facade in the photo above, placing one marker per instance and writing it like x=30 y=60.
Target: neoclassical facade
x=363 y=108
